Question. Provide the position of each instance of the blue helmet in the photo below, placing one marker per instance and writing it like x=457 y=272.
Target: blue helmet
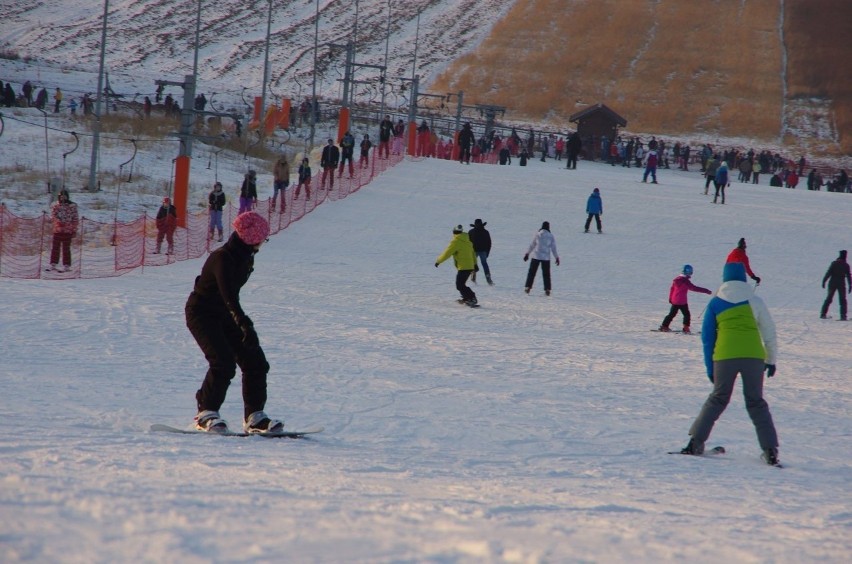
x=687 y=269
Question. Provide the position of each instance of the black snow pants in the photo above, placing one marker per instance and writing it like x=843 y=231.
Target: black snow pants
x=221 y=341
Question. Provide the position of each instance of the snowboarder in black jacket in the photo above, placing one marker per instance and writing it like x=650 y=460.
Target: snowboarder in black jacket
x=840 y=281
x=481 y=239
x=224 y=332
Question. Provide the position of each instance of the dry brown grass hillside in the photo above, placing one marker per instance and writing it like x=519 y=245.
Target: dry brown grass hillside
x=667 y=66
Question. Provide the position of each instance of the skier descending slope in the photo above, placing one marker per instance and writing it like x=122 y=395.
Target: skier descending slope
x=739 y=338
x=226 y=334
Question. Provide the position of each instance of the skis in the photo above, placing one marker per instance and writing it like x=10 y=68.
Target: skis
x=286 y=434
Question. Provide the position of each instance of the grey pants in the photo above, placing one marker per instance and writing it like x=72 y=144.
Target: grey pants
x=724 y=377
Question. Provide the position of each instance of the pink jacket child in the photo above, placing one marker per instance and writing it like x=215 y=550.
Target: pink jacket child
x=678 y=298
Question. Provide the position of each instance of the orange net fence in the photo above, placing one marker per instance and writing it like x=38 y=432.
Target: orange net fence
x=101 y=250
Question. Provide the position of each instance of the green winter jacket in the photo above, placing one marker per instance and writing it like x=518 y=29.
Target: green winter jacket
x=461 y=249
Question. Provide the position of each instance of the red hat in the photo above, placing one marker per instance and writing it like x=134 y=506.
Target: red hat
x=167 y=200
x=251 y=227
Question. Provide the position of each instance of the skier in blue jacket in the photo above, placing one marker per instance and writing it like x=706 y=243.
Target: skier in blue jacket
x=721 y=181
x=594 y=207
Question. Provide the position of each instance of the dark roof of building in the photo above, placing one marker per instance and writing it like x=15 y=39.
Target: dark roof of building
x=599 y=108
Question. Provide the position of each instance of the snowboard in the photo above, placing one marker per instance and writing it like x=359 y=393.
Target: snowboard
x=467 y=303
x=286 y=434
x=676 y=332
x=713 y=451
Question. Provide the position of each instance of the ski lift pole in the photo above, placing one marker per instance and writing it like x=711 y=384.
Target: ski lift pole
x=65 y=155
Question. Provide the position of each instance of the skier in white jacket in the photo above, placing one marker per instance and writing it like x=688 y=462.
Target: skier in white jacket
x=542 y=246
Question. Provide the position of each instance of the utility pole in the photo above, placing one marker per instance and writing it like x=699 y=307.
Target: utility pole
x=182 y=162
x=96 y=138
x=262 y=127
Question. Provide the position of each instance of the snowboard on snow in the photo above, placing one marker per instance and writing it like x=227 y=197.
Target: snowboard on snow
x=468 y=304
x=285 y=434
x=713 y=451
x=676 y=332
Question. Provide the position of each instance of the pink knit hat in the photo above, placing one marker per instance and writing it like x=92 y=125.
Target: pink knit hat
x=251 y=228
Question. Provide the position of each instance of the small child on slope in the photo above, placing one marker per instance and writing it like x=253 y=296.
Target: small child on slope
x=678 y=298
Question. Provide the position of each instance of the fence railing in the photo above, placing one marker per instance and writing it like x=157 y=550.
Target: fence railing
x=111 y=249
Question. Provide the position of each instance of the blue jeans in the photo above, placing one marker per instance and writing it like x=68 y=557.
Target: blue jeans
x=483 y=256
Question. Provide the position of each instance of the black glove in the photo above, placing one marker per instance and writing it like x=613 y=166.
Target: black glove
x=476 y=268
x=526 y=257
x=756 y=279
x=770 y=370
x=436 y=265
x=250 y=339
x=823 y=286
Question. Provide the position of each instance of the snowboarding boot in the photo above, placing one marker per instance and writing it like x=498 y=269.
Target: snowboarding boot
x=686 y=329
x=527 y=290
x=770 y=456
x=693 y=447
x=488 y=279
x=211 y=422
x=258 y=422
x=664 y=329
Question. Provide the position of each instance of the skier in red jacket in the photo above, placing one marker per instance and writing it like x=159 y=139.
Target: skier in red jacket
x=739 y=255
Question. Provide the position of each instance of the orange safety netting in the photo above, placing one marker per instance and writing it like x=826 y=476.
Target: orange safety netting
x=111 y=249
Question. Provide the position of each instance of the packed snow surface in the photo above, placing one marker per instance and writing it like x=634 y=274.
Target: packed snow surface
x=532 y=429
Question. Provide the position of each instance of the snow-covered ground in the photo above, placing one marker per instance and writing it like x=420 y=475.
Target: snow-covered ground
x=532 y=429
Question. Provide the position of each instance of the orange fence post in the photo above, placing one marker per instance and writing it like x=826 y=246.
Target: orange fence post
x=181 y=195
x=342 y=123
x=255 y=117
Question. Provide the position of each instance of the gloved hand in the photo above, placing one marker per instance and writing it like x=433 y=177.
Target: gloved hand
x=823 y=286
x=250 y=339
x=708 y=292
x=557 y=262
x=756 y=279
x=526 y=257
x=770 y=370
x=436 y=265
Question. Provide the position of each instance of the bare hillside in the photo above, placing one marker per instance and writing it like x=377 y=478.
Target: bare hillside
x=674 y=67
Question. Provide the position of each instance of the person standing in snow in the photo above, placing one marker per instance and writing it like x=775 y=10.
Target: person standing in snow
x=65 y=222
x=385 y=132
x=739 y=255
x=739 y=338
x=594 y=207
x=573 y=147
x=366 y=145
x=347 y=150
x=248 y=192
x=304 y=179
x=466 y=140
x=280 y=182
x=679 y=298
x=215 y=204
x=710 y=173
x=481 y=240
x=650 y=166
x=398 y=132
x=224 y=332
x=57 y=98
x=721 y=180
x=328 y=163
x=543 y=245
x=839 y=281
x=461 y=249
x=166 y=225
